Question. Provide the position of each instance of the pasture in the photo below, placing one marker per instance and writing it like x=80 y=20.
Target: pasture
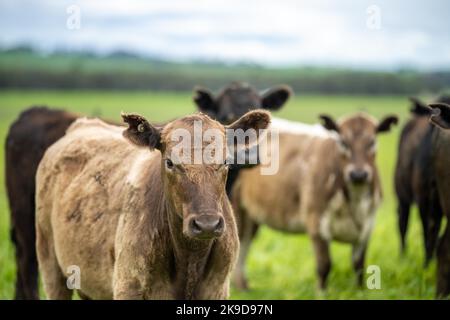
x=280 y=266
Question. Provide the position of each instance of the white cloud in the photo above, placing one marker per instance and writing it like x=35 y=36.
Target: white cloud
x=265 y=31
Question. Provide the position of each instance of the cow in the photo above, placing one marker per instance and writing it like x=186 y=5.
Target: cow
x=28 y=138
x=327 y=186
x=39 y=127
x=413 y=179
x=235 y=100
x=136 y=222
x=440 y=118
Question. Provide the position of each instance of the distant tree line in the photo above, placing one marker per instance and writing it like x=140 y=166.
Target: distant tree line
x=25 y=68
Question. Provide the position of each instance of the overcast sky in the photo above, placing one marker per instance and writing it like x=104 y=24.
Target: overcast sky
x=317 y=32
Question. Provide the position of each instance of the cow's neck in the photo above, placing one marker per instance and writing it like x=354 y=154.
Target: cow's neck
x=190 y=259
x=360 y=201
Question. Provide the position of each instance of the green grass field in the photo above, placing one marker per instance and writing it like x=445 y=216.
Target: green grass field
x=280 y=266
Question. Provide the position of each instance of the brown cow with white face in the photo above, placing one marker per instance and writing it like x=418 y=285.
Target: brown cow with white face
x=327 y=186
x=138 y=223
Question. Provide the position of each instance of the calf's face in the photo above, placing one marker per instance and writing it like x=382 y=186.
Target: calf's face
x=194 y=171
x=237 y=99
x=357 y=144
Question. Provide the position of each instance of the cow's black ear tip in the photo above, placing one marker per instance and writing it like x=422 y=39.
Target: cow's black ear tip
x=438 y=108
x=438 y=105
x=395 y=119
x=286 y=88
x=125 y=117
x=201 y=90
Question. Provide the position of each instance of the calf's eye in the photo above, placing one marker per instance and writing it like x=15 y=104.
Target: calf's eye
x=169 y=164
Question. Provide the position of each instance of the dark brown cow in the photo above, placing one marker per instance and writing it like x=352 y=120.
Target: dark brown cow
x=138 y=223
x=413 y=179
x=28 y=139
x=441 y=169
x=237 y=98
x=39 y=127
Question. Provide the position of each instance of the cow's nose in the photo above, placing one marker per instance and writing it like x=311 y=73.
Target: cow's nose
x=207 y=226
x=358 y=176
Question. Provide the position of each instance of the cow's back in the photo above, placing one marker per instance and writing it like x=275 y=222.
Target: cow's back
x=28 y=138
x=276 y=199
x=82 y=186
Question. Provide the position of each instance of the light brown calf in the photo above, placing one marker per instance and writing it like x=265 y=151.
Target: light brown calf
x=137 y=224
x=327 y=186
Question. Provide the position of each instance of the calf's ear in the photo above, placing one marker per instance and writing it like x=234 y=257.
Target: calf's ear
x=418 y=107
x=256 y=120
x=440 y=115
x=276 y=97
x=204 y=100
x=386 y=124
x=241 y=147
x=329 y=123
x=140 y=132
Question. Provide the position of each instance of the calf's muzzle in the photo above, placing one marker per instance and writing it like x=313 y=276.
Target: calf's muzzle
x=359 y=176
x=206 y=226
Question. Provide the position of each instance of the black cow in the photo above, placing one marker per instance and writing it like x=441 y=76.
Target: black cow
x=414 y=182
x=440 y=166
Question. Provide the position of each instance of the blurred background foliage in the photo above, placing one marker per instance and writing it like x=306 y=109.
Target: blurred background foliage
x=23 y=67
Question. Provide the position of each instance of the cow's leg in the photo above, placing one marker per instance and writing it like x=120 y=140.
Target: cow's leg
x=24 y=236
x=27 y=268
x=246 y=237
x=403 y=211
x=323 y=260
x=54 y=281
x=21 y=202
x=358 y=258
x=127 y=287
x=434 y=226
x=424 y=211
x=247 y=230
x=320 y=246
x=443 y=270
